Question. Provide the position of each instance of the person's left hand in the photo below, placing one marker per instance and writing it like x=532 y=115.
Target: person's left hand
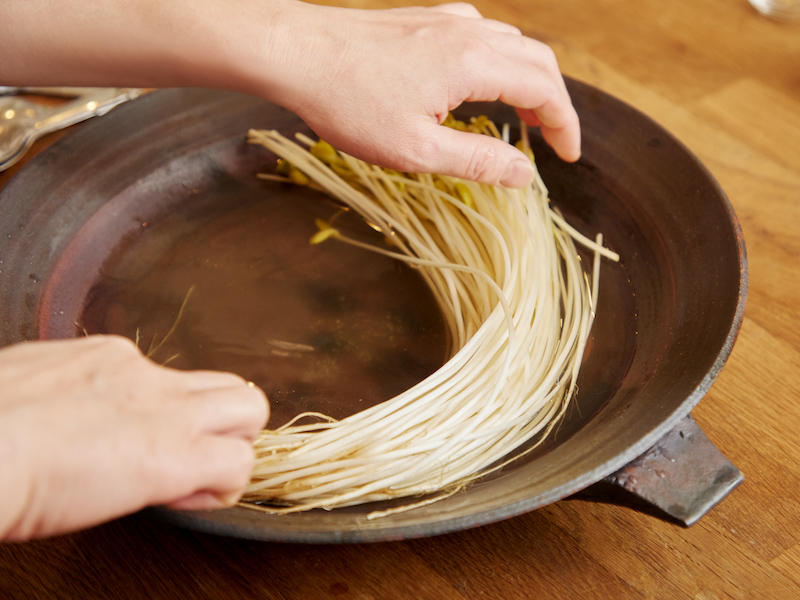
x=91 y=430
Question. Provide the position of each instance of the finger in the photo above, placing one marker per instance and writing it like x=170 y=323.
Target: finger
x=563 y=139
x=198 y=381
x=476 y=157
x=522 y=85
x=500 y=27
x=566 y=144
x=239 y=412
x=205 y=500
x=543 y=98
x=529 y=116
x=525 y=49
x=224 y=464
x=215 y=466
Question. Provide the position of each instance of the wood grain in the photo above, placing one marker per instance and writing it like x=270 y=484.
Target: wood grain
x=724 y=80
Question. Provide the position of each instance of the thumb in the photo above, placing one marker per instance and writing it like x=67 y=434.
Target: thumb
x=478 y=158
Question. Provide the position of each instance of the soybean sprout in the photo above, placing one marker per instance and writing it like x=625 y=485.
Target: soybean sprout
x=504 y=268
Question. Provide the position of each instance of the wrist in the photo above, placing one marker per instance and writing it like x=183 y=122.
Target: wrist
x=262 y=50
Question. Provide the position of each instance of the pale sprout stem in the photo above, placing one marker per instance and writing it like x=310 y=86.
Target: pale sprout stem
x=504 y=269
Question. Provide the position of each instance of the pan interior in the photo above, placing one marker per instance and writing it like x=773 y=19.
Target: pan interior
x=325 y=328
x=224 y=278
x=110 y=228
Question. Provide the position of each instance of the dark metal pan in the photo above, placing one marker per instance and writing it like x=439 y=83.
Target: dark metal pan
x=108 y=229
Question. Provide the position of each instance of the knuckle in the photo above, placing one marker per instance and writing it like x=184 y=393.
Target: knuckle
x=549 y=59
x=117 y=344
x=426 y=155
x=466 y=8
x=482 y=165
x=415 y=155
x=474 y=51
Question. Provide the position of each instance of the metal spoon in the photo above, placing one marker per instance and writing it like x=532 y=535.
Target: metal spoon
x=23 y=122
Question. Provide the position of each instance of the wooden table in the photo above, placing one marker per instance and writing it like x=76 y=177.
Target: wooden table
x=726 y=81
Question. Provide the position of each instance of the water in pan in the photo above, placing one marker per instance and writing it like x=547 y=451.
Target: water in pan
x=325 y=328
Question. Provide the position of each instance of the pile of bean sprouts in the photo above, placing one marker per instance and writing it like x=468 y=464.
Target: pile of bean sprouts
x=503 y=266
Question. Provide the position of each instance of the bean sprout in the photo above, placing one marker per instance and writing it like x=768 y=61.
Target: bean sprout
x=503 y=266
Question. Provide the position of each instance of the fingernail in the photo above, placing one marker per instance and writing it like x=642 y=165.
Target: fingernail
x=519 y=174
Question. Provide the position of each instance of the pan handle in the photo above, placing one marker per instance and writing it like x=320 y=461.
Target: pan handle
x=682 y=477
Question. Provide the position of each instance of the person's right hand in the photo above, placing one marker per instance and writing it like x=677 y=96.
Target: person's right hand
x=377 y=84
x=91 y=430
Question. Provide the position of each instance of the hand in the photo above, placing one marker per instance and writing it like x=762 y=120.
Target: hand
x=91 y=430
x=374 y=83
x=377 y=84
